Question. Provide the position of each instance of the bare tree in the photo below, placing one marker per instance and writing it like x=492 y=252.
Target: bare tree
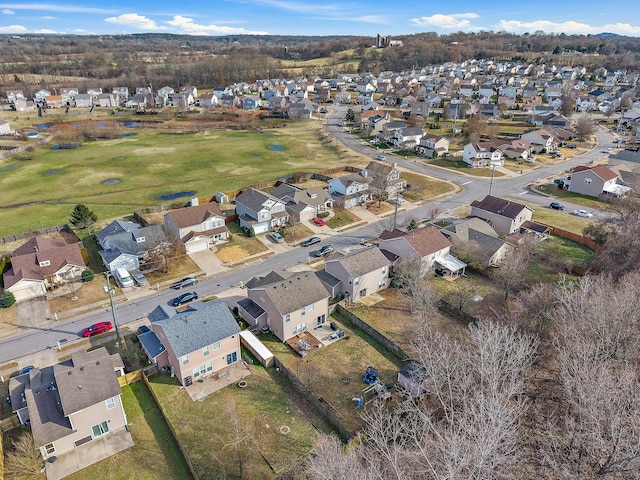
x=23 y=460
x=433 y=211
x=510 y=276
x=584 y=126
x=379 y=187
x=332 y=461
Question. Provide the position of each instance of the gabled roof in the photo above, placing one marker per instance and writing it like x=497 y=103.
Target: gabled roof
x=425 y=241
x=298 y=291
x=196 y=215
x=256 y=200
x=499 y=206
x=201 y=325
x=136 y=241
x=601 y=171
x=152 y=344
x=462 y=229
x=270 y=277
x=360 y=262
x=115 y=227
x=347 y=180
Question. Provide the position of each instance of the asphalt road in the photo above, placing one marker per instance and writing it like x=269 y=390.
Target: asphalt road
x=33 y=340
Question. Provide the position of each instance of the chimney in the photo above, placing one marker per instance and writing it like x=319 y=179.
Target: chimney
x=195 y=202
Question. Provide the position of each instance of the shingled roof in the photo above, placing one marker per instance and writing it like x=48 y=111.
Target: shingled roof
x=298 y=291
x=499 y=206
x=190 y=216
x=425 y=241
x=361 y=262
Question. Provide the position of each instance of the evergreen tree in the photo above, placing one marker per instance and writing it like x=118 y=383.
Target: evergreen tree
x=82 y=217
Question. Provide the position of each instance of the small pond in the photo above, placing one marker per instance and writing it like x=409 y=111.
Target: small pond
x=276 y=148
x=111 y=181
x=173 y=196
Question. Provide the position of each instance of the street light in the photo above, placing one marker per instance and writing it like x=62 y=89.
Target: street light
x=493 y=164
x=107 y=289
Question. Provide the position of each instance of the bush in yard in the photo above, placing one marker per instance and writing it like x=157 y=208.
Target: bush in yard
x=88 y=275
x=85 y=255
x=7 y=299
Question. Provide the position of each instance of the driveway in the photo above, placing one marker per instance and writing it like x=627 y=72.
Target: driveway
x=208 y=262
x=33 y=312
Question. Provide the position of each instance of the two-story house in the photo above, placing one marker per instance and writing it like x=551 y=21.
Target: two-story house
x=386 y=176
x=198 y=227
x=407 y=138
x=505 y=216
x=74 y=409
x=482 y=154
x=432 y=146
x=286 y=305
x=260 y=211
x=477 y=238
x=540 y=140
x=361 y=272
x=197 y=342
x=351 y=190
x=596 y=181
x=301 y=204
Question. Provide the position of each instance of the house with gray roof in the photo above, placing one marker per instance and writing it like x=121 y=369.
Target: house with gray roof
x=261 y=211
x=199 y=341
x=74 y=409
x=301 y=204
x=199 y=227
x=290 y=305
x=350 y=190
x=361 y=272
x=475 y=237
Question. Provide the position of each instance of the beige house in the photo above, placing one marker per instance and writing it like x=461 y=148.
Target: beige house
x=199 y=341
x=72 y=405
x=287 y=305
x=361 y=273
x=385 y=176
x=505 y=216
x=476 y=235
x=198 y=227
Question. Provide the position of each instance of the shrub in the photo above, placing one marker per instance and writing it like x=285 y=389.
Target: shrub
x=252 y=232
x=323 y=214
x=85 y=255
x=88 y=275
x=7 y=299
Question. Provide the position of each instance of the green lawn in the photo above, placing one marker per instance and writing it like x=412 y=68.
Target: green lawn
x=341 y=219
x=421 y=187
x=42 y=192
x=460 y=165
x=155 y=454
x=568 y=251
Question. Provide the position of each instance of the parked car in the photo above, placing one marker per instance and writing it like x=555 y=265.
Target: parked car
x=139 y=278
x=326 y=250
x=583 y=213
x=97 y=328
x=184 y=298
x=185 y=282
x=381 y=158
x=26 y=369
x=318 y=221
x=276 y=237
x=560 y=180
x=556 y=206
x=570 y=145
x=311 y=241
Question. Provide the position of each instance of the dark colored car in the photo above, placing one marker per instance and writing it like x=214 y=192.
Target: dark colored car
x=97 y=328
x=559 y=180
x=27 y=369
x=185 y=282
x=556 y=206
x=311 y=241
x=184 y=298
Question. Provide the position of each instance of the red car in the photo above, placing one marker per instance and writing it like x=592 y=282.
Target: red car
x=97 y=328
x=318 y=221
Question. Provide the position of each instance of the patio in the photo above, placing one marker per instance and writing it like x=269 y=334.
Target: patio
x=203 y=387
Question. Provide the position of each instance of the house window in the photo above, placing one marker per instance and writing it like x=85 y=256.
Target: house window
x=110 y=403
x=587 y=180
x=232 y=358
x=303 y=311
x=202 y=369
x=140 y=239
x=300 y=328
x=205 y=351
x=384 y=269
x=185 y=359
x=310 y=308
x=100 y=429
x=49 y=448
x=287 y=318
x=215 y=346
x=44 y=263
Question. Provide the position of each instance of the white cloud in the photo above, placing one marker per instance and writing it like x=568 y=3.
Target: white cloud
x=13 y=29
x=569 y=27
x=454 y=21
x=6 y=11
x=45 y=30
x=135 y=21
x=371 y=19
x=188 y=26
x=48 y=18
x=54 y=7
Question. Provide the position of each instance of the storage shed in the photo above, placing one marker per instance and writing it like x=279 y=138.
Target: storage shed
x=414 y=378
x=256 y=347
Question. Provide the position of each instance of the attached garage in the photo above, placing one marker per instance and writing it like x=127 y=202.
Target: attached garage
x=26 y=289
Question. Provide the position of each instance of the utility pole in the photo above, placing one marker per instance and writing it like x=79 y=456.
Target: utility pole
x=114 y=312
x=493 y=171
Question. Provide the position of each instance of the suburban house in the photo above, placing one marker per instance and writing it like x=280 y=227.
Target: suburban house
x=108 y=100
x=54 y=101
x=197 y=342
x=482 y=154
x=286 y=305
x=350 y=190
x=596 y=181
x=425 y=245
x=476 y=237
x=432 y=146
x=384 y=176
x=260 y=211
x=539 y=140
x=505 y=216
x=126 y=244
x=407 y=137
x=74 y=409
x=198 y=227
x=41 y=263
x=303 y=205
x=361 y=272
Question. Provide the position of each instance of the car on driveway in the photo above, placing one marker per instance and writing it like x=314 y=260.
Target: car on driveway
x=318 y=221
x=139 y=278
x=583 y=213
x=184 y=298
x=276 y=237
x=311 y=241
x=97 y=328
x=26 y=369
x=185 y=282
x=556 y=206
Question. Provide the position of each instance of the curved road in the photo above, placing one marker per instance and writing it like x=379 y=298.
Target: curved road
x=29 y=341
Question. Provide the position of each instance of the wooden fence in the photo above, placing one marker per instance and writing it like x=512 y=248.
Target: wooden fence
x=581 y=239
x=43 y=231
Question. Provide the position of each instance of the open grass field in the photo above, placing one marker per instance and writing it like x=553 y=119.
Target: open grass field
x=236 y=433
x=115 y=177
x=421 y=187
x=155 y=453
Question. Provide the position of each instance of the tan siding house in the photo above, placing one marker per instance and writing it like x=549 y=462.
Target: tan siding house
x=198 y=227
x=361 y=273
x=505 y=216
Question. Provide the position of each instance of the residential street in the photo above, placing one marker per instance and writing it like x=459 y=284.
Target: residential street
x=31 y=341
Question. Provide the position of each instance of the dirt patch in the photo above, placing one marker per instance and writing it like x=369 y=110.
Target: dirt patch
x=233 y=253
x=382 y=207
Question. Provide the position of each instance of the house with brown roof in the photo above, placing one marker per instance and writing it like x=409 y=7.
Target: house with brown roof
x=595 y=181
x=40 y=263
x=505 y=216
x=432 y=146
x=74 y=409
x=288 y=306
x=385 y=175
x=482 y=154
x=361 y=272
x=198 y=227
x=425 y=245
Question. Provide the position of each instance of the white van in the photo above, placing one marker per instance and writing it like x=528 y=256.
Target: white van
x=124 y=279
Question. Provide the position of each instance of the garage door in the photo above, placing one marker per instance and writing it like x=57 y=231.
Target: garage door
x=25 y=290
x=196 y=245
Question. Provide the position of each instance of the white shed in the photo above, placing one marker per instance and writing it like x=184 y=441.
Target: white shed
x=257 y=348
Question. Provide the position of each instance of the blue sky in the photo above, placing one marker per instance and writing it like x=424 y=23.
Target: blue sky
x=315 y=17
